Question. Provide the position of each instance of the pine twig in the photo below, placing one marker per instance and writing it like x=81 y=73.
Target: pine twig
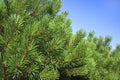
x=37 y=4
x=21 y=5
x=25 y=53
x=7 y=7
x=4 y=71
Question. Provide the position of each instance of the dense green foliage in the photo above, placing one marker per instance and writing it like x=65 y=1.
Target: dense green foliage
x=36 y=43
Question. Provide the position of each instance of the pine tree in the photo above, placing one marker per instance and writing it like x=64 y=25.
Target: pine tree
x=36 y=43
x=33 y=39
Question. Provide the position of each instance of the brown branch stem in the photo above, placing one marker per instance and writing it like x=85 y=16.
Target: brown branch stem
x=25 y=53
x=7 y=7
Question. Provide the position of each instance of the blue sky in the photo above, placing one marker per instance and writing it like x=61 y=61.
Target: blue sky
x=101 y=16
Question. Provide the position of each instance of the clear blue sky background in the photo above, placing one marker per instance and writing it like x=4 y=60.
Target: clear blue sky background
x=101 y=16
